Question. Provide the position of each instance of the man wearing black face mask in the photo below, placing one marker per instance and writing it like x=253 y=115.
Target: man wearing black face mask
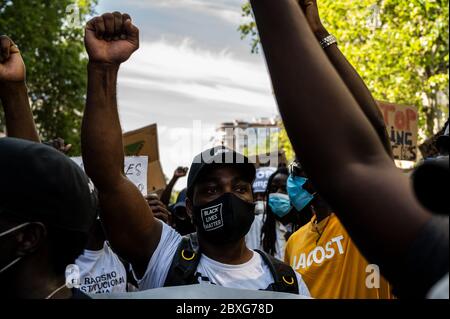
x=47 y=204
x=219 y=196
x=47 y=207
x=220 y=203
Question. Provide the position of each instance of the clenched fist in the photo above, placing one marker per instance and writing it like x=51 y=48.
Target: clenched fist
x=111 y=38
x=180 y=172
x=12 y=68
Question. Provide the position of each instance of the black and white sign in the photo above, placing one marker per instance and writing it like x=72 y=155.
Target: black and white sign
x=262 y=177
x=212 y=217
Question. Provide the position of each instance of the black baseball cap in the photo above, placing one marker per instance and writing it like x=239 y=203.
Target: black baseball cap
x=40 y=184
x=216 y=156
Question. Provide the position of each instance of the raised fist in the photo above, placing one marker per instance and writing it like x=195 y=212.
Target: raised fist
x=180 y=172
x=12 y=68
x=111 y=38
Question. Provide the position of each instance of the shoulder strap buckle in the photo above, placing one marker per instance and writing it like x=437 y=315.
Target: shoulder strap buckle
x=285 y=279
x=184 y=263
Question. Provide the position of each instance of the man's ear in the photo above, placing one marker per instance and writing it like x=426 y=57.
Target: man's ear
x=30 y=238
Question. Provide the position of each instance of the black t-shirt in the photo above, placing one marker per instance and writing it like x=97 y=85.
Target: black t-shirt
x=427 y=261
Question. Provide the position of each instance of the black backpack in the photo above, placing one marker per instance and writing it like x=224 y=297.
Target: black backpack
x=185 y=262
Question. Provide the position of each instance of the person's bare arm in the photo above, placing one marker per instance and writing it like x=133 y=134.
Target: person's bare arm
x=179 y=172
x=14 y=93
x=348 y=74
x=128 y=220
x=339 y=148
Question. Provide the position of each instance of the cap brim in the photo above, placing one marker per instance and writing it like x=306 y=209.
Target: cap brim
x=248 y=168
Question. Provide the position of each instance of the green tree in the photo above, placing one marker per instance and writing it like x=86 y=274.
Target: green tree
x=50 y=36
x=399 y=47
x=285 y=143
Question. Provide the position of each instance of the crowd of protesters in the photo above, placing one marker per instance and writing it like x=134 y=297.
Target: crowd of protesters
x=340 y=222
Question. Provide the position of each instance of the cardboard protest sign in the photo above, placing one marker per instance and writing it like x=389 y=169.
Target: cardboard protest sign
x=135 y=169
x=144 y=142
x=402 y=126
x=262 y=177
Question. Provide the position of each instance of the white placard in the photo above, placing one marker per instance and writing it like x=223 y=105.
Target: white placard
x=135 y=169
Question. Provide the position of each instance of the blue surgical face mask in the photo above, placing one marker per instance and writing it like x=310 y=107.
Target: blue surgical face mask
x=280 y=204
x=299 y=196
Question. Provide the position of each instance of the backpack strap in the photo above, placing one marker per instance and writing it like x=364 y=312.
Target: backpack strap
x=284 y=276
x=184 y=263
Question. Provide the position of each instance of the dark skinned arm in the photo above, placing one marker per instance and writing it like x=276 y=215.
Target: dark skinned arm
x=165 y=196
x=127 y=218
x=14 y=93
x=340 y=149
x=348 y=74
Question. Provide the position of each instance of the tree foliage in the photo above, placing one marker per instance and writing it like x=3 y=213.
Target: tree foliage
x=50 y=36
x=399 y=47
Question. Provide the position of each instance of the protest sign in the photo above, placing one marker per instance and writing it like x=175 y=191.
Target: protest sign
x=144 y=142
x=262 y=177
x=135 y=169
x=402 y=126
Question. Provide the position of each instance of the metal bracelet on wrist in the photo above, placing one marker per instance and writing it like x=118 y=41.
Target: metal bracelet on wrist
x=327 y=41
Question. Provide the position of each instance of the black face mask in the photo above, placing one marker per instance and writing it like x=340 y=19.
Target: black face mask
x=224 y=220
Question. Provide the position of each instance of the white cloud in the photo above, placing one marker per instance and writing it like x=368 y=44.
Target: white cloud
x=183 y=69
x=227 y=10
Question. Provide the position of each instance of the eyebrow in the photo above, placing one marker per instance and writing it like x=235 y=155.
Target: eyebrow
x=209 y=179
x=239 y=179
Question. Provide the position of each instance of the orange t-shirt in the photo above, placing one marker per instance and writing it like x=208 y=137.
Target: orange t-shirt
x=331 y=264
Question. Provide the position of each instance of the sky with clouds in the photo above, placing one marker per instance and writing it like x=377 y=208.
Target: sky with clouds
x=192 y=66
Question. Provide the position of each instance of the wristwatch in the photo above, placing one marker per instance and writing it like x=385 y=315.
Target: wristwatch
x=327 y=41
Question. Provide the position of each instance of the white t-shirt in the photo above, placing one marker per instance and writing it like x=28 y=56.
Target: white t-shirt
x=280 y=244
x=253 y=275
x=101 y=272
x=253 y=237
